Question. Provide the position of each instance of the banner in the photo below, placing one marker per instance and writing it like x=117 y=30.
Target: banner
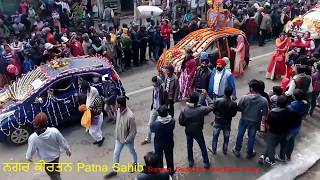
x=197 y=3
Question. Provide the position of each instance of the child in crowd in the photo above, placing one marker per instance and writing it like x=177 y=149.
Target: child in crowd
x=276 y=93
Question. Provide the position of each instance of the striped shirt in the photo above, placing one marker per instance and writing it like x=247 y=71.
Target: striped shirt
x=97 y=106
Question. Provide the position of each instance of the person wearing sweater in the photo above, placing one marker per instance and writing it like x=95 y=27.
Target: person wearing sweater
x=157 y=102
x=125 y=133
x=279 y=120
x=163 y=140
x=47 y=142
x=224 y=109
x=192 y=117
x=299 y=108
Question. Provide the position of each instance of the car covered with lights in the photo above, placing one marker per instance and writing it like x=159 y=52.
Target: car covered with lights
x=216 y=42
x=52 y=88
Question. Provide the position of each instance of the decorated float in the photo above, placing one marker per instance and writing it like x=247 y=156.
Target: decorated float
x=52 y=88
x=218 y=35
x=310 y=21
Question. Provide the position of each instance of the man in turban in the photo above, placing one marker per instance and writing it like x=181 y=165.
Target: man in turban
x=221 y=79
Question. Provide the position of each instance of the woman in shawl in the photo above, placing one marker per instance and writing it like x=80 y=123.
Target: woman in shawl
x=95 y=103
x=11 y=58
x=239 y=58
x=309 y=43
x=186 y=80
x=277 y=63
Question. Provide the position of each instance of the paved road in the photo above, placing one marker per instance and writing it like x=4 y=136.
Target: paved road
x=312 y=174
x=136 y=81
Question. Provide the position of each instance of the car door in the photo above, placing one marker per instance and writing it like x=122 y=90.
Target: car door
x=58 y=102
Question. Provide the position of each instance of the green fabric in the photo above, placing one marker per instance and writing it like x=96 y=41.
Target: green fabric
x=126 y=42
x=228 y=64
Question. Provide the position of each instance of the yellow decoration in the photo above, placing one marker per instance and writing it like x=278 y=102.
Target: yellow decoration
x=86 y=119
x=308 y=23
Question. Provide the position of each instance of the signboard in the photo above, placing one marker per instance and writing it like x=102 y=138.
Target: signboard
x=197 y=3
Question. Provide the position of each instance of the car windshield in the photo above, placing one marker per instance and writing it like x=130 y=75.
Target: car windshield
x=24 y=86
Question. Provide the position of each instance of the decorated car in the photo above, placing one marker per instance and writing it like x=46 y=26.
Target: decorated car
x=310 y=21
x=52 y=88
x=217 y=41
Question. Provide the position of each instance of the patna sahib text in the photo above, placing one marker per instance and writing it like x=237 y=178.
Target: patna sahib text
x=120 y=168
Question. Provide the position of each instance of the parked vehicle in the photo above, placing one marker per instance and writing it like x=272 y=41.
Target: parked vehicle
x=52 y=89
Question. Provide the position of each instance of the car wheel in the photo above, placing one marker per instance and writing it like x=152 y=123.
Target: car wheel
x=19 y=136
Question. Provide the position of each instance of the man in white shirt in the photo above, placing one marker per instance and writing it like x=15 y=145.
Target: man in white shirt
x=220 y=79
x=46 y=142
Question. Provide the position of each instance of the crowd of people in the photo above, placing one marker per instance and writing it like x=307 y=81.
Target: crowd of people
x=33 y=37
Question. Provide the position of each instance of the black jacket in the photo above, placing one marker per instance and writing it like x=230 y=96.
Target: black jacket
x=279 y=120
x=192 y=117
x=163 y=131
x=110 y=92
x=202 y=78
x=153 y=175
x=224 y=109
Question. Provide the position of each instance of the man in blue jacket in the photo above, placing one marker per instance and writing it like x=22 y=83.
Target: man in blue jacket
x=163 y=140
x=221 y=79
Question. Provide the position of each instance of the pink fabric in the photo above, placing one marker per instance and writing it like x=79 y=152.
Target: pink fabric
x=186 y=80
x=240 y=54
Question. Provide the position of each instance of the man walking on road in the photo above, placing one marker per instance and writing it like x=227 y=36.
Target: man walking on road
x=47 y=142
x=125 y=132
x=192 y=117
x=224 y=109
x=253 y=108
x=171 y=87
x=157 y=101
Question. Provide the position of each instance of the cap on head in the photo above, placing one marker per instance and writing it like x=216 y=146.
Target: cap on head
x=204 y=56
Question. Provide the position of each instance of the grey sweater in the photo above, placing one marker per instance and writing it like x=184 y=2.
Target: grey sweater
x=253 y=107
